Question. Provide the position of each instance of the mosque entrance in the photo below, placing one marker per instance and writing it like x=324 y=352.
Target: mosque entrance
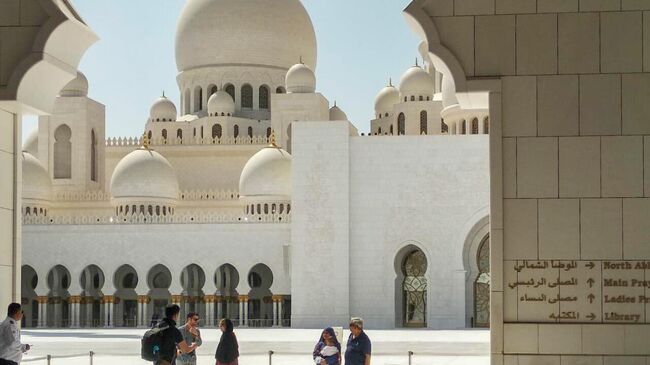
x=411 y=285
x=482 y=286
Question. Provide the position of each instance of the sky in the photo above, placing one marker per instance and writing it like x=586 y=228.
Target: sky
x=361 y=43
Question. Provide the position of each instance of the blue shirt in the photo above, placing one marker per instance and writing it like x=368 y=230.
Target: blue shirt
x=357 y=349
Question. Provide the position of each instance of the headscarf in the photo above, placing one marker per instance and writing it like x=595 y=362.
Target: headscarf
x=228 y=348
x=321 y=341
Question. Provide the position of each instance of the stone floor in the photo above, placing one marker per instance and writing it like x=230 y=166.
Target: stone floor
x=291 y=346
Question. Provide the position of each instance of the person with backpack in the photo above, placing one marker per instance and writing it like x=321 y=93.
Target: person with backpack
x=160 y=344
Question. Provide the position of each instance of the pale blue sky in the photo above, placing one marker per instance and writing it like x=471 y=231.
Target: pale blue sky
x=361 y=43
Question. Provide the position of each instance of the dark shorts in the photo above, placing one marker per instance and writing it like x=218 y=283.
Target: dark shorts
x=7 y=362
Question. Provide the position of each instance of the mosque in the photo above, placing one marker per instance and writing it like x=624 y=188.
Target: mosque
x=255 y=198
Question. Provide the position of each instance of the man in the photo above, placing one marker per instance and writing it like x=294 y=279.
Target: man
x=11 y=349
x=191 y=334
x=359 y=347
x=172 y=338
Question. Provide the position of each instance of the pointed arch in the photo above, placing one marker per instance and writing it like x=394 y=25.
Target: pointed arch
x=247 y=96
x=63 y=152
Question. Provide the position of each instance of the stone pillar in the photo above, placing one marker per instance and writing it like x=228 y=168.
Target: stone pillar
x=88 y=305
x=57 y=313
x=109 y=310
x=276 y=317
x=143 y=304
x=209 y=301
x=42 y=311
x=280 y=301
x=75 y=307
x=218 y=303
x=243 y=312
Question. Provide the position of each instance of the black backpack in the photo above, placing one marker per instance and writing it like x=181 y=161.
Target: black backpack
x=152 y=342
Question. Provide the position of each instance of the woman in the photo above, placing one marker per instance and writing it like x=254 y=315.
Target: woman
x=228 y=349
x=328 y=349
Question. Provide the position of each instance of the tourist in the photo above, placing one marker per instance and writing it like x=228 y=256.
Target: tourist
x=172 y=338
x=359 y=347
x=11 y=349
x=328 y=349
x=191 y=334
x=228 y=349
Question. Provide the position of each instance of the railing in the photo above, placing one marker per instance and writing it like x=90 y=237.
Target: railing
x=185 y=195
x=189 y=141
x=188 y=218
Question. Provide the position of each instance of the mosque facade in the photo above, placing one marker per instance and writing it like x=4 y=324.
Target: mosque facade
x=254 y=198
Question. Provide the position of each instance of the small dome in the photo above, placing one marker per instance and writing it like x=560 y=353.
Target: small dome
x=76 y=87
x=416 y=82
x=31 y=143
x=267 y=175
x=144 y=176
x=337 y=114
x=386 y=100
x=221 y=102
x=163 y=110
x=301 y=80
x=36 y=181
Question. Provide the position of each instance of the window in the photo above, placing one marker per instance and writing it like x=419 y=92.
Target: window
x=401 y=124
x=280 y=90
x=236 y=131
x=379 y=130
x=186 y=105
x=423 y=122
x=412 y=98
x=247 y=96
x=198 y=99
x=250 y=132
x=474 y=126
x=486 y=126
x=230 y=89
x=216 y=131
x=179 y=134
x=213 y=90
x=93 y=156
x=421 y=98
x=164 y=134
x=62 y=152
x=264 y=97
x=269 y=131
x=149 y=135
x=391 y=129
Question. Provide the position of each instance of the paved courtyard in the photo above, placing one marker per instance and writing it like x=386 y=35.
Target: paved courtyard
x=291 y=346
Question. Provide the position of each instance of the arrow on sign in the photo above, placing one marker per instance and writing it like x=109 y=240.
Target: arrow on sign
x=591 y=282
x=591 y=298
x=592 y=316
x=590 y=265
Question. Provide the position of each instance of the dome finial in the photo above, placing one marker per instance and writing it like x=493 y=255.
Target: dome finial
x=146 y=143
x=273 y=141
x=334 y=102
x=417 y=62
x=390 y=81
x=164 y=94
x=302 y=63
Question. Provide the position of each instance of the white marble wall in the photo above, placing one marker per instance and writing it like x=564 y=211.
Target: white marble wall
x=9 y=227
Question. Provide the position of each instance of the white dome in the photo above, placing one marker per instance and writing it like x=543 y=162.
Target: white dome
x=274 y=33
x=76 y=87
x=144 y=176
x=221 y=102
x=163 y=110
x=301 y=79
x=31 y=142
x=386 y=100
x=337 y=114
x=36 y=181
x=416 y=82
x=267 y=175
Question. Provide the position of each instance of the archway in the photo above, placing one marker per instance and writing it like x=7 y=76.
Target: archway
x=260 y=301
x=482 y=286
x=92 y=281
x=226 y=279
x=159 y=280
x=411 y=288
x=29 y=281
x=192 y=281
x=58 y=281
x=126 y=280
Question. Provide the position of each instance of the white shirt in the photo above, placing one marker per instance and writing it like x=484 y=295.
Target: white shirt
x=10 y=347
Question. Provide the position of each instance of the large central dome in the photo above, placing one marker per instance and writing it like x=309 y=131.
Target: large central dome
x=275 y=33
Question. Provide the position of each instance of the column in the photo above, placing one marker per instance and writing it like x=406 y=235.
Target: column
x=280 y=300
x=275 y=311
x=58 y=313
x=109 y=319
x=242 y=315
x=74 y=303
x=88 y=305
x=143 y=304
x=209 y=310
x=217 y=300
x=42 y=311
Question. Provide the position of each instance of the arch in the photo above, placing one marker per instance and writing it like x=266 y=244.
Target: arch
x=411 y=266
x=159 y=280
x=475 y=236
x=212 y=89
x=63 y=152
x=226 y=279
x=125 y=277
x=58 y=281
x=269 y=131
x=475 y=126
x=481 y=303
x=217 y=131
x=93 y=156
x=29 y=282
x=401 y=124
x=379 y=130
x=179 y=133
x=198 y=99
x=444 y=128
x=192 y=282
x=235 y=131
x=260 y=312
x=423 y=122
x=92 y=280
x=247 y=96
x=164 y=134
x=264 y=97
x=230 y=89
x=280 y=90
x=159 y=277
x=463 y=127
x=486 y=125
